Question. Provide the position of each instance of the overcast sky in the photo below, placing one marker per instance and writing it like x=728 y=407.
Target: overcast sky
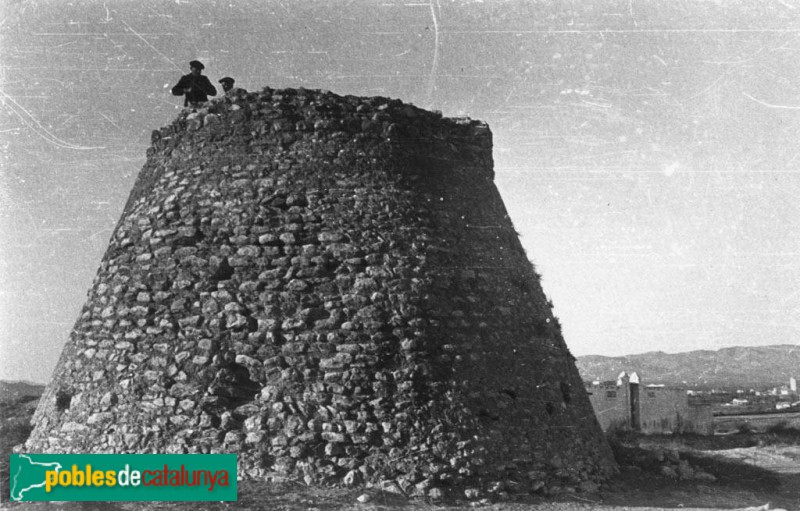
x=647 y=151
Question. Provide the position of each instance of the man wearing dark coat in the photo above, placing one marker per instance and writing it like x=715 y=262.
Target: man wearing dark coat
x=194 y=86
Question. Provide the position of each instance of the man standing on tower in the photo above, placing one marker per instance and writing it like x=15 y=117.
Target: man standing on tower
x=194 y=86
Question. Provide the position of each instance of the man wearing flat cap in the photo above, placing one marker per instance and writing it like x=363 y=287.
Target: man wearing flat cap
x=194 y=86
x=229 y=89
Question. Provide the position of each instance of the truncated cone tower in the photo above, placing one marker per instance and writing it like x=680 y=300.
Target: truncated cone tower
x=331 y=288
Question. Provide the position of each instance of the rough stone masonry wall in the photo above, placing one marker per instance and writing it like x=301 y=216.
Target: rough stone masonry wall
x=331 y=288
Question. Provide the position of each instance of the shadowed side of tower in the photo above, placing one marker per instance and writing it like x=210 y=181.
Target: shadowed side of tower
x=331 y=288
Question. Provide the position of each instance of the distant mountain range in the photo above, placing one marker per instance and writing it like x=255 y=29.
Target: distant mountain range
x=11 y=390
x=740 y=367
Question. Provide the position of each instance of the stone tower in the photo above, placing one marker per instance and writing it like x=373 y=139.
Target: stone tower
x=330 y=287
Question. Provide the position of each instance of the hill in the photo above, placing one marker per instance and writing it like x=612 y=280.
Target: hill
x=761 y=366
x=13 y=390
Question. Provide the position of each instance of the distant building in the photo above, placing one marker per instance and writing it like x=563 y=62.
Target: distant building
x=611 y=401
x=627 y=404
x=793 y=384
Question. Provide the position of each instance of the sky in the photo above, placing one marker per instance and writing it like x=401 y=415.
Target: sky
x=646 y=151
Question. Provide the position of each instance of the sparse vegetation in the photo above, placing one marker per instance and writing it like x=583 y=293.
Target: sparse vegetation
x=15 y=426
x=745 y=429
x=783 y=429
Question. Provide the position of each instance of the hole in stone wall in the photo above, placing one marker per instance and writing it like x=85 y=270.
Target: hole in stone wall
x=190 y=239
x=550 y=408
x=224 y=271
x=232 y=382
x=252 y=324
x=483 y=412
x=509 y=392
x=565 y=392
x=63 y=400
x=540 y=329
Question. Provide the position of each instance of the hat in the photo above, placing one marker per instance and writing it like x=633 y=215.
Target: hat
x=197 y=64
x=226 y=79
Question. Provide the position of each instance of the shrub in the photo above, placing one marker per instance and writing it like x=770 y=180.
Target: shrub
x=781 y=427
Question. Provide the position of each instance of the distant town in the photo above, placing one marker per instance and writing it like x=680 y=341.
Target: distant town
x=740 y=401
